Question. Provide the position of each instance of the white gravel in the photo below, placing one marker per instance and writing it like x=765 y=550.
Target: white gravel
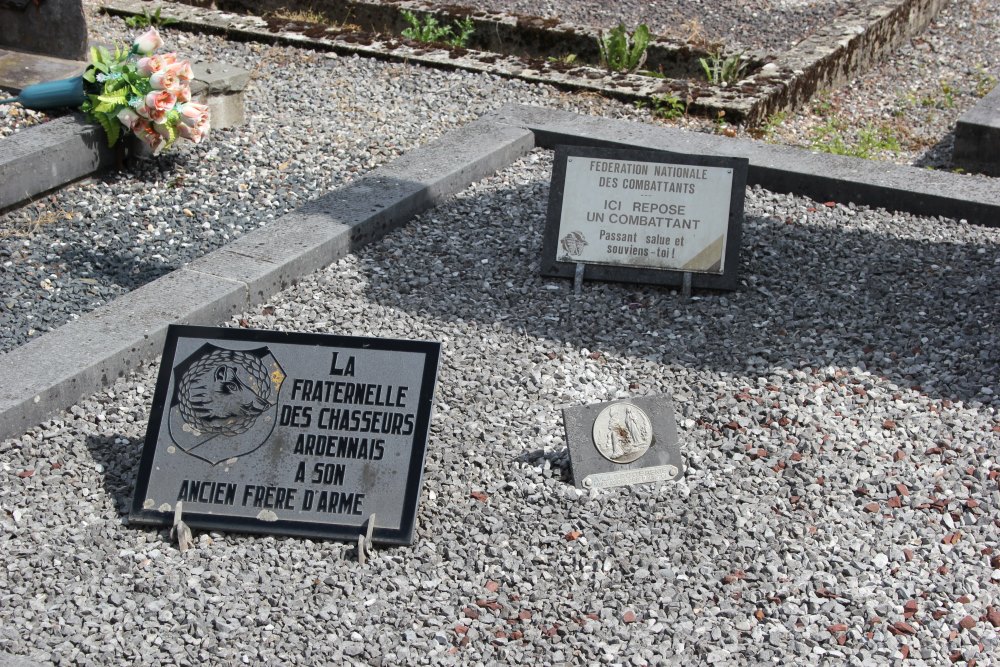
x=838 y=414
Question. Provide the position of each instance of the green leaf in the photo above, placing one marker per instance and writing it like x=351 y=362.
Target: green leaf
x=89 y=75
x=111 y=127
x=117 y=98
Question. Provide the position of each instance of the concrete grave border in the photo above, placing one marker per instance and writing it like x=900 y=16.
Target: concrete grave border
x=829 y=56
x=53 y=372
x=977 y=136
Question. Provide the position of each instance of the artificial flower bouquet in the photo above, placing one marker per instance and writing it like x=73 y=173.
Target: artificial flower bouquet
x=132 y=90
x=145 y=93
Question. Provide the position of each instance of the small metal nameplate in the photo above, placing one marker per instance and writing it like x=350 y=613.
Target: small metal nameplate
x=631 y=441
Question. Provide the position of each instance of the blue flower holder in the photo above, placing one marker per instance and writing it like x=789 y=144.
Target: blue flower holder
x=51 y=95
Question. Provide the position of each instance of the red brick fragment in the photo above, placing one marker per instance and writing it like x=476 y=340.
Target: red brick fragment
x=572 y=535
x=894 y=502
x=479 y=495
x=905 y=651
x=888 y=424
x=903 y=628
x=492 y=586
x=629 y=616
x=899 y=455
x=871 y=507
x=796 y=456
x=908 y=554
x=836 y=627
x=993 y=616
x=25 y=474
x=938 y=614
x=524 y=615
x=461 y=629
x=911 y=606
x=902 y=490
x=967 y=623
x=517 y=634
x=471 y=612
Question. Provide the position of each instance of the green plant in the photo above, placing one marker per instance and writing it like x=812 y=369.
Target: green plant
x=721 y=71
x=567 y=59
x=985 y=82
x=767 y=129
x=668 y=107
x=430 y=30
x=871 y=139
x=622 y=51
x=147 y=20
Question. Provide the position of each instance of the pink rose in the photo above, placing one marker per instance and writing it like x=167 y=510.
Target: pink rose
x=163 y=130
x=182 y=70
x=193 y=113
x=183 y=94
x=161 y=100
x=190 y=132
x=149 y=136
x=128 y=118
x=149 y=65
x=165 y=80
x=147 y=42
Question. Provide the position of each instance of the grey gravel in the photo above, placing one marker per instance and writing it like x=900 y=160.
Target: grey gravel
x=838 y=414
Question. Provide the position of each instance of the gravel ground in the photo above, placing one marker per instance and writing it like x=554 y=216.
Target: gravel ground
x=72 y=251
x=837 y=414
x=771 y=26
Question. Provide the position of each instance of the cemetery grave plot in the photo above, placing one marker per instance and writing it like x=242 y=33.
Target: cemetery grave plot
x=832 y=414
x=757 y=85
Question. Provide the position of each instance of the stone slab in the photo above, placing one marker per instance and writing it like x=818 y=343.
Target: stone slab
x=821 y=176
x=49 y=156
x=623 y=442
x=51 y=373
x=19 y=69
x=977 y=137
x=53 y=28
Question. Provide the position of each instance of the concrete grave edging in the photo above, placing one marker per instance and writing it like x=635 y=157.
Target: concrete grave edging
x=53 y=372
x=977 y=136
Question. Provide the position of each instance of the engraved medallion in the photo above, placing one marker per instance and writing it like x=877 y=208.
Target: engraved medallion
x=622 y=432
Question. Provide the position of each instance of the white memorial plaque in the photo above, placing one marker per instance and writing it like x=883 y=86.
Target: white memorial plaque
x=645 y=214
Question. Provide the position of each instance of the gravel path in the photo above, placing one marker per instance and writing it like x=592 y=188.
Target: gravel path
x=836 y=413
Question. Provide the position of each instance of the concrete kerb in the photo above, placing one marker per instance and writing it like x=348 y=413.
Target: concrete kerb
x=977 y=136
x=49 y=156
x=820 y=176
x=53 y=372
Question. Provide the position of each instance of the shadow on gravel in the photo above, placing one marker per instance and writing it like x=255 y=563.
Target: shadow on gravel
x=816 y=292
x=939 y=155
x=119 y=462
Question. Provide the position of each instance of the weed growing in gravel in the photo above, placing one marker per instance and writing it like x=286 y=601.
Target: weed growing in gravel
x=767 y=129
x=147 y=20
x=567 y=59
x=871 y=139
x=667 y=107
x=430 y=30
x=985 y=82
x=622 y=51
x=722 y=71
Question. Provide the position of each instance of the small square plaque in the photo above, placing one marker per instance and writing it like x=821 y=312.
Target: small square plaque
x=288 y=433
x=645 y=216
x=630 y=441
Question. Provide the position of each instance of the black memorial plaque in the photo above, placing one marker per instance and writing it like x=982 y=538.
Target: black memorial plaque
x=288 y=433
x=645 y=216
x=629 y=441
